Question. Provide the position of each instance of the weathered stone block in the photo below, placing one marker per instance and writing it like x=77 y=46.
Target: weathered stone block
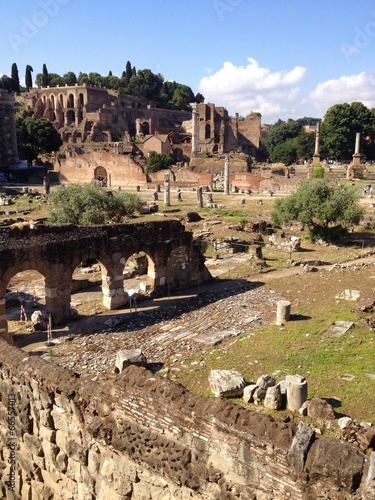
x=129 y=357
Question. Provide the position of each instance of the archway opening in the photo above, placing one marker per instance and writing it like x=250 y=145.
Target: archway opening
x=100 y=176
x=71 y=117
x=86 y=290
x=145 y=128
x=138 y=273
x=24 y=296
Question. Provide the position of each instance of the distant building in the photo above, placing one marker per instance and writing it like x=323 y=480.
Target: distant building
x=8 y=135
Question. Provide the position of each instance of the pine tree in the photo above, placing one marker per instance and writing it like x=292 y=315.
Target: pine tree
x=28 y=77
x=15 y=78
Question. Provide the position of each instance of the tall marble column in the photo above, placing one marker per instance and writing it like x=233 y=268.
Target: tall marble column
x=226 y=174
x=316 y=155
x=167 y=190
x=195 y=129
x=357 y=155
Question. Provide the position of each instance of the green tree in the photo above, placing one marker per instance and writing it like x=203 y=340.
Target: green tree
x=35 y=136
x=324 y=209
x=146 y=84
x=15 y=78
x=280 y=132
x=89 y=204
x=156 y=162
x=285 y=152
x=318 y=171
x=28 y=77
x=45 y=76
x=6 y=83
x=339 y=128
x=70 y=78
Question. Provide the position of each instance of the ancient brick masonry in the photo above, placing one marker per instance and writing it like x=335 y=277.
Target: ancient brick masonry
x=142 y=436
x=174 y=262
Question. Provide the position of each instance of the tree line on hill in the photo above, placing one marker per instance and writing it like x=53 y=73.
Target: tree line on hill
x=142 y=83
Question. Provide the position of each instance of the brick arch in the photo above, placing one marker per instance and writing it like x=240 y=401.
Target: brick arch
x=55 y=251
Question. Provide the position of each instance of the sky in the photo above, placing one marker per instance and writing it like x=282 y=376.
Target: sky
x=281 y=58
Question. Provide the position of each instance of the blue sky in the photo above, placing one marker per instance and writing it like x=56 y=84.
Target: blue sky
x=282 y=58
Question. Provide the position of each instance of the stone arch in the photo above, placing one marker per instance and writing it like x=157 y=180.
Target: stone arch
x=81 y=100
x=145 y=128
x=70 y=116
x=53 y=102
x=70 y=102
x=61 y=99
x=101 y=174
x=207 y=131
x=208 y=113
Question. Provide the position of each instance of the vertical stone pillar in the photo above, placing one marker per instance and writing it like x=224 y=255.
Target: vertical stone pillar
x=167 y=190
x=46 y=185
x=357 y=139
x=283 y=312
x=226 y=174
x=195 y=129
x=316 y=155
x=200 y=197
x=357 y=155
x=296 y=391
x=58 y=301
x=4 y=334
x=113 y=291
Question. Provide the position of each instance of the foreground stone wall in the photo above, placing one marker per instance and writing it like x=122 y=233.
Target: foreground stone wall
x=142 y=436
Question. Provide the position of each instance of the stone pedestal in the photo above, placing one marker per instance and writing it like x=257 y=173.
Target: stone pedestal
x=283 y=312
x=296 y=391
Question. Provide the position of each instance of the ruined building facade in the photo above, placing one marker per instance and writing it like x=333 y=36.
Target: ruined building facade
x=84 y=114
x=8 y=136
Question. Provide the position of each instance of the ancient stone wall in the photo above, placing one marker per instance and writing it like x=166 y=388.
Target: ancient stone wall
x=142 y=436
x=174 y=262
x=118 y=169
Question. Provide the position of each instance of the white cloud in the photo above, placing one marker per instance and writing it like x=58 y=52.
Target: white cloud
x=348 y=89
x=243 y=89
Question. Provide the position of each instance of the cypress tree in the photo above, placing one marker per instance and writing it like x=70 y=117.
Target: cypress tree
x=28 y=77
x=15 y=78
x=45 y=76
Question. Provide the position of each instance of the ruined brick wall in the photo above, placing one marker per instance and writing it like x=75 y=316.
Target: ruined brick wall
x=120 y=170
x=142 y=436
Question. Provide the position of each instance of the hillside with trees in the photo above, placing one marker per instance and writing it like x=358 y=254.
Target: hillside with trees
x=140 y=83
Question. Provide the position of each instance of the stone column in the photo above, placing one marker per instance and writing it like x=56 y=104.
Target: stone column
x=226 y=175
x=167 y=190
x=283 y=312
x=200 y=197
x=113 y=291
x=357 y=139
x=296 y=391
x=58 y=301
x=195 y=129
x=357 y=155
x=46 y=185
x=316 y=155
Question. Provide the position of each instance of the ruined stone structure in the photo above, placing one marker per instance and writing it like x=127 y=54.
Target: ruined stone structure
x=139 y=435
x=8 y=136
x=173 y=261
x=81 y=112
x=220 y=133
x=84 y=113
